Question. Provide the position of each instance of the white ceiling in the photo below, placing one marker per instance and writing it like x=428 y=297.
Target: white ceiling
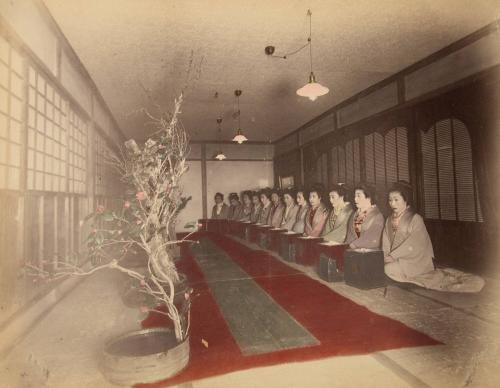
x=128 y=43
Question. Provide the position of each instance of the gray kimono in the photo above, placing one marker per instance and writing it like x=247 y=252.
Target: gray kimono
x=335 y=229
x=246 y=212
x=300 y=222
x=276 y=215
x=235 y=212
x=264 y=216
x=224 y=212
x=410 y=246
x=254 y=216
x=289 y=217
x=371 y=230
x=314 y=223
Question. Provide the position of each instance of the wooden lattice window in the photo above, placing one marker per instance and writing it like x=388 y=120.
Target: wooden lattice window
x=77 y=153
x=450 y=187
x=12 y=102
x=47 y=135
x=322 y=169
x=386 y=157
x=346 y=163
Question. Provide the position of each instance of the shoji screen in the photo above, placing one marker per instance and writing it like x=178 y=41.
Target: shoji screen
x=77 y=163
x=47 y=135
x=12 y=101
x=450 y=190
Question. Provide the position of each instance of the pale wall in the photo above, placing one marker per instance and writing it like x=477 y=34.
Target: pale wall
x=191 y=183
x=236 y=176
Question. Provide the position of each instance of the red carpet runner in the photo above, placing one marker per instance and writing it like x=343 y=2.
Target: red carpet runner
x=342 y=326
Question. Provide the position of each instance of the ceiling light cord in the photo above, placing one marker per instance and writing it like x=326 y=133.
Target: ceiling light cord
x=286 y=55
x=309 y=13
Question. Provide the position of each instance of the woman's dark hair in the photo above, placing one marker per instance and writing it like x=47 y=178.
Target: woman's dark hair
x=368 y=190
x=254 y=194
x=266 y=192
x=291 y=192
x=319 y=189
x=403 y=188
x=304 y=192
x=233 y=196
x=341 y=190
x=247 y=193
x=275 y=190
x=219 y=195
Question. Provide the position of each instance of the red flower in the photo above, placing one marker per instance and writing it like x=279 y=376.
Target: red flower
x=126 y=204
x=140 y=196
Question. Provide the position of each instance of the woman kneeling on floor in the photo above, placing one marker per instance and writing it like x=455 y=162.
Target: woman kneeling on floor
x=405 y=241
x=408 y=250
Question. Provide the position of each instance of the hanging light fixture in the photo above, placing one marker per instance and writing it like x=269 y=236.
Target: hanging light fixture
x=312 y=89
x=239 y=138
x=219 y=155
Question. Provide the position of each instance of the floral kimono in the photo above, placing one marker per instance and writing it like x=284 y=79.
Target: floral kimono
x=364 y=229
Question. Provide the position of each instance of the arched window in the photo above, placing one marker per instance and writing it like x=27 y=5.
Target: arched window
x=386 y=157
x=450 y=189
x=346 y=163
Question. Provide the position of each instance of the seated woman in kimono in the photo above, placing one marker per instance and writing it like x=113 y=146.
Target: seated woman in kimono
x=335 y=229
x=246 y=207
x=256 y=207
x=317 y=214
x=408 y=252
x=407 y=246
x=220 y=210
x=291 y=209
x=265 y=213
x=235 y=207
x=364 y=229
x=298 y=226
x=277 y=209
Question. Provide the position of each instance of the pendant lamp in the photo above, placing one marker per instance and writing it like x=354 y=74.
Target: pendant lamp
x=219 y=155
x=239 y=137
x=312 y=89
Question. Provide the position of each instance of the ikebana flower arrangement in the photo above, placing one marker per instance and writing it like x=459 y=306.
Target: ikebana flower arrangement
x=145 y=223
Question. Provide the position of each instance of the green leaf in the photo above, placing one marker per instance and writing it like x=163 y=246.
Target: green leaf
x=190 y=225
x=108 y=216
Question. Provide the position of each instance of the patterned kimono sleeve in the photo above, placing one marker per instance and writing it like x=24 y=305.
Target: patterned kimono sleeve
x=317 y=229
x=370 y=237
